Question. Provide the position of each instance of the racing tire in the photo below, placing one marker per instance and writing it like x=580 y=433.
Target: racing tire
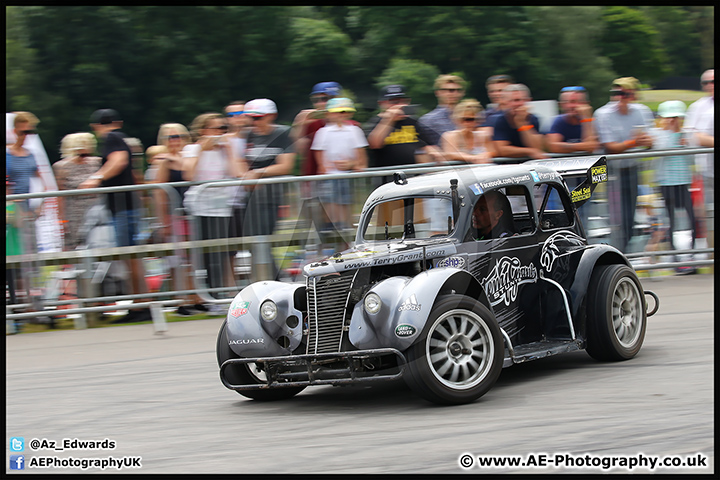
x=616 y=314
x=459 y=354
x=243 y=374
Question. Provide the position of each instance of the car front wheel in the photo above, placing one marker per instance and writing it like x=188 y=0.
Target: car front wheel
x=459 y=354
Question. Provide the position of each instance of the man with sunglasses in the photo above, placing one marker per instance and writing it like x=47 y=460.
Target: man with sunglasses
x=624 y=125
x=270 y=153
x=449 y=90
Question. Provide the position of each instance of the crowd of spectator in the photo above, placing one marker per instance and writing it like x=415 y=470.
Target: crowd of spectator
x=246 y=142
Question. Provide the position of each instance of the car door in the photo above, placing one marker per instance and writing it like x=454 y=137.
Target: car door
x=560 y=246
x=508 y=270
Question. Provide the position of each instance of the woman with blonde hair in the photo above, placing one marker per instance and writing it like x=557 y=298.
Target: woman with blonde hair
x=210 y=159
x=167 y=164
x=77 y=164
x=469 y=143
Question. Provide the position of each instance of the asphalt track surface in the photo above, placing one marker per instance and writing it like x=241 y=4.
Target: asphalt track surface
x=159 y=397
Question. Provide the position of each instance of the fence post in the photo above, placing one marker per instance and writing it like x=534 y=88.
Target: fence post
x=261 y=259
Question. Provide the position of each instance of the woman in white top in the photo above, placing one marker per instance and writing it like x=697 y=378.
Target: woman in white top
x=469 y=143
x=210 y=159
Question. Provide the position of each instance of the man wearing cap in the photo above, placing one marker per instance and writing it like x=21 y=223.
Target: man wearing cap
x=309 y=121
x=624 y=125
x=449 y=90
x=393 y=135
x=270 y=153
x=116 y=171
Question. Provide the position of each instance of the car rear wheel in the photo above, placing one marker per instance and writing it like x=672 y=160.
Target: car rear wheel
x=244 y=374
x=459 y=354
x=616 y=313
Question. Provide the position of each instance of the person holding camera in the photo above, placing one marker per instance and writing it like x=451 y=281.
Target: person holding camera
x=394 y=135
x=212 y=158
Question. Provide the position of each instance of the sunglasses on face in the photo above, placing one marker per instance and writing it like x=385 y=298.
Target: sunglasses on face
x=455 y=90
x=174 y=137
x=235 y=114
x=619 y=93
x=219 y=127
x=28 y=132
x=469 y=119
x=708 y=82
x=319 y=99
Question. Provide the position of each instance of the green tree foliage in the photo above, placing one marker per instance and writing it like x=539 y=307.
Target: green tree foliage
x=168 y=64
x=632 y=43
x=576 y=33
x=679 y=35
x=416 y=76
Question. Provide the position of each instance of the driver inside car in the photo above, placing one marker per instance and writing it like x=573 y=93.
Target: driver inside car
x=492 y=217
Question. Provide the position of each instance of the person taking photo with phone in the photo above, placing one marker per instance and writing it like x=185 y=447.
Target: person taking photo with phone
x=395 y=136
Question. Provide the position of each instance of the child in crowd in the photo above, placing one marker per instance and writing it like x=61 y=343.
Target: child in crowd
x=339 y=147
x=673 y=173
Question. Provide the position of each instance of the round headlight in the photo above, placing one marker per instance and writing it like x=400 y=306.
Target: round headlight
x=372 y=303
x=268 y=310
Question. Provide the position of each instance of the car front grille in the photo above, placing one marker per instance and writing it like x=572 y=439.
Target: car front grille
x=327 y=303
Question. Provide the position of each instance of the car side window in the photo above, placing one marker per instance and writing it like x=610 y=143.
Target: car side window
x=553 y=207
x=517 y=218
x=523 y=218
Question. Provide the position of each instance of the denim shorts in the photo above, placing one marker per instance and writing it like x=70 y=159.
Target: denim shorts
x=126 y=227
x=338 y=192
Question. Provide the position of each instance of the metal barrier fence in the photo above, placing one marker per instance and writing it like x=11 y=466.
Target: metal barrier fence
x=192 y=247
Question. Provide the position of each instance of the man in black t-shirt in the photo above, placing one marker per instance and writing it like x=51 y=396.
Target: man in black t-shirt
x=116 y=171
x=270 y=152
x=394 y=136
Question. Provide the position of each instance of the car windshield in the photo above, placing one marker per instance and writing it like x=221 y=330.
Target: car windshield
x=419 y=217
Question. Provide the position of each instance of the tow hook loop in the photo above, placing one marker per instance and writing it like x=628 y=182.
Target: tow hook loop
x=657 y=303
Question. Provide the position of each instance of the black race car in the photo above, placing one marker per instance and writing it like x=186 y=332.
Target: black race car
x=454 y=275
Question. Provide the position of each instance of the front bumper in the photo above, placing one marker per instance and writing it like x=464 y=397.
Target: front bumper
x=341 y=368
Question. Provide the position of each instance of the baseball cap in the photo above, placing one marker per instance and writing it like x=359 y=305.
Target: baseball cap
x=628 y=83
x=672 y=108
x=105 y=116
x=392 y=91
x=328 y=88
x=260 y=107
x=340 y=105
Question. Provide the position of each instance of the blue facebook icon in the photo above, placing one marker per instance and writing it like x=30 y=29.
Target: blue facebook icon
x=17 y=462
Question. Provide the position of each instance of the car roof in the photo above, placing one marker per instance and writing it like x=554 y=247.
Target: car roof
x=471 y=180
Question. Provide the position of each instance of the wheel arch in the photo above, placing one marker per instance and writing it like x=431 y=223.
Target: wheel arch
x=591 y=259
x=407 y=303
